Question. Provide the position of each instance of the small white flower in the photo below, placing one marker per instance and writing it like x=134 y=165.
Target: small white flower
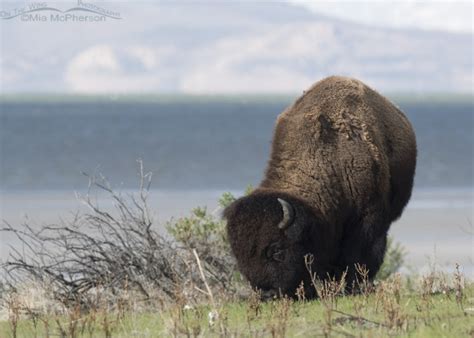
x=187 y=307
x=213 y=315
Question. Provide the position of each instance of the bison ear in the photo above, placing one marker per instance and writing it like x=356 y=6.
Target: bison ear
x=288 y=214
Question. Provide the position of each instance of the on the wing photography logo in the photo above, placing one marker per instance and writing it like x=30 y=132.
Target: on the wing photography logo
x=42 y=12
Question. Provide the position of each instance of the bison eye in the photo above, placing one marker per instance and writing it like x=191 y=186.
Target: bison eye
x=274 y=252
x=279 y=256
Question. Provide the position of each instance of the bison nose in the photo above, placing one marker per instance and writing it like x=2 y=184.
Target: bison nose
x=269 y=294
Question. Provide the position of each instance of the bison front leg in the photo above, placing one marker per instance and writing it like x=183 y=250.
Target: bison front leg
x=360 y=260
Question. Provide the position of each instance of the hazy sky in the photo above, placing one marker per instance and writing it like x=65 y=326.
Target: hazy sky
x=449 y=15
x=240 y=47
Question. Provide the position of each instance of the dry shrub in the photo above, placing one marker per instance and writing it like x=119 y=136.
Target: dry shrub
x=119 y=253
x=388 y=298
x=278 y=323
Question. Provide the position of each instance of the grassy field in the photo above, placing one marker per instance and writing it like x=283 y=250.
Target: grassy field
x=187 y=296
x=433 y=306
x=194 y=290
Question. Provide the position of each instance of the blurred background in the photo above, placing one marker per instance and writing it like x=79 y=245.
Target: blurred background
x=193 y=89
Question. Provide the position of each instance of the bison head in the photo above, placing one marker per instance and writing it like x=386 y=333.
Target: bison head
x=270 y=233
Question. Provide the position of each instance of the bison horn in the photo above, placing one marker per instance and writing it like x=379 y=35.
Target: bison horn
x=288 y=214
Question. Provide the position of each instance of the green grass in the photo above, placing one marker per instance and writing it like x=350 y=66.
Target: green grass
x=387 y=311
x=435 y=305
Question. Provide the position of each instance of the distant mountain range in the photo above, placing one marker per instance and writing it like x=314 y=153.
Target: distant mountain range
x=221 y=47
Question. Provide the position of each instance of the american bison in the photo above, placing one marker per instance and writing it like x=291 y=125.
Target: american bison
x=341 y=171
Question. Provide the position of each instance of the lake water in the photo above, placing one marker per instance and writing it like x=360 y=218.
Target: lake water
x=198 y=148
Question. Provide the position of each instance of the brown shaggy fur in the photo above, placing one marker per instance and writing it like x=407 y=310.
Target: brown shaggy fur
x=345 y=157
